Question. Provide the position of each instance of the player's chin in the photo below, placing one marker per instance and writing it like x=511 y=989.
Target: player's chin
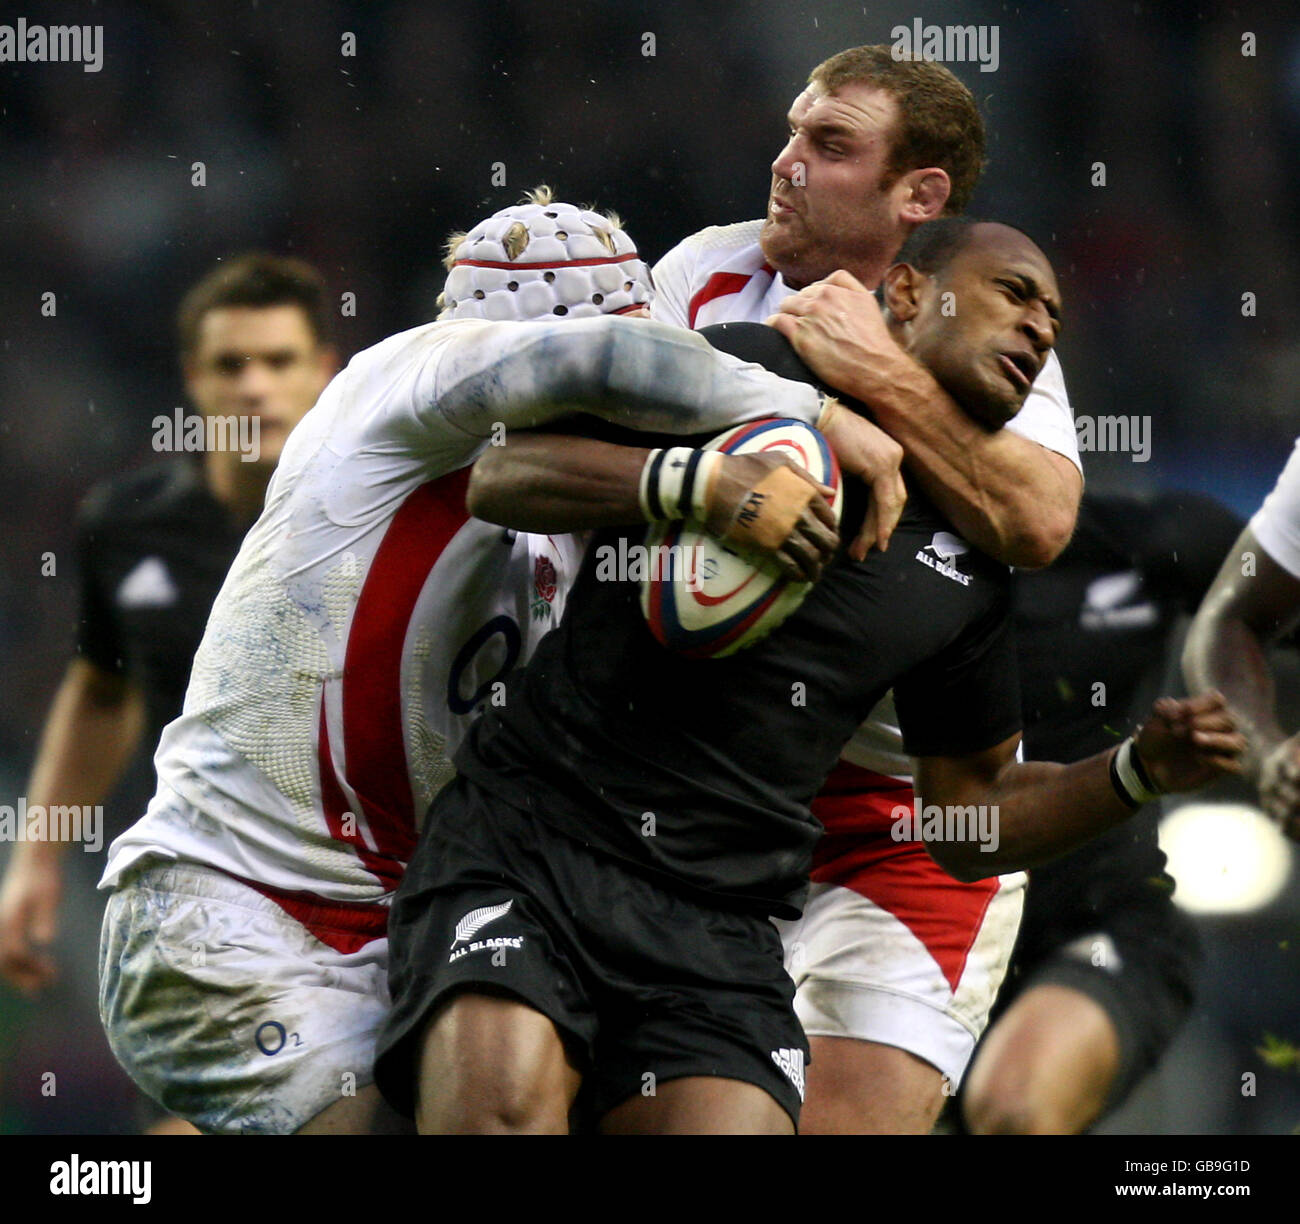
x=991 y=406
x=779 y=242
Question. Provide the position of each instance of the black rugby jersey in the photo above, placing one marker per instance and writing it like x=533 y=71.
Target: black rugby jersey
x=154 y=547
x=703 y=769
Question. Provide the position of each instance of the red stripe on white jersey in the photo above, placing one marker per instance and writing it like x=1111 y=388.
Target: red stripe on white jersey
x=374 y=746
x=720 y=284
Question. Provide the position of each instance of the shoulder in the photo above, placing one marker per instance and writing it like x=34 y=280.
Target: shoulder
x=714 y=245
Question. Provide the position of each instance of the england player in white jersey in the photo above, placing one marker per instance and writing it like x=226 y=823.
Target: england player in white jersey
x=896 y=963
x=364 y=620
x=1254 y=601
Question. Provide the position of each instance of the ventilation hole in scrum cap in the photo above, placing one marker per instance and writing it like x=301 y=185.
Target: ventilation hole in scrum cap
x=549 y=277
x=560 y=310
x=512 y=285
x=628 y=286
x=561 y=235
x=598 y=298
x=551 y=214
x=479 y=295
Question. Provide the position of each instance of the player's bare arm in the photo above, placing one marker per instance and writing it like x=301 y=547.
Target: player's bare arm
x=1249 y=607
x=1045 y=810
x=93 y=728
x=551 y=483
x=1013 y=498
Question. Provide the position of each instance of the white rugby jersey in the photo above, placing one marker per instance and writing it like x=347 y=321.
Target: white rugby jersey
x=366 y=617
x=1276 y=523
x=720 y=275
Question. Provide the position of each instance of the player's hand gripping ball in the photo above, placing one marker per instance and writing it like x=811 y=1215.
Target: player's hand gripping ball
x=706 y=599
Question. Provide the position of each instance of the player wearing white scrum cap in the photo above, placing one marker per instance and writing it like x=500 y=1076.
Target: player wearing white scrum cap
x=365 y=621
x=544 y=258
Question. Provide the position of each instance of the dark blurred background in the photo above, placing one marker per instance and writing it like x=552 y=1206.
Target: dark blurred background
x=362 y=164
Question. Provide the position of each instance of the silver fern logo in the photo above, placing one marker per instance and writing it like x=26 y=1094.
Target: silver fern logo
x=475 y=920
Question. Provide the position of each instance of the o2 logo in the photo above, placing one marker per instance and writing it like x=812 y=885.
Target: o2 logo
x=507 y=628
x=271 y=1037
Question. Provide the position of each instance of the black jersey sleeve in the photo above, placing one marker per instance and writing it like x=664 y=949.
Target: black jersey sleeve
x=966 y=698
x=99 y=637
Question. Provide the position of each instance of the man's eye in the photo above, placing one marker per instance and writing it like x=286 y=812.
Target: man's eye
x=1016 y=291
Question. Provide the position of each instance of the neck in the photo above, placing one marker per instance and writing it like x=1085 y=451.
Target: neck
x=239 y=486
x=870 y=272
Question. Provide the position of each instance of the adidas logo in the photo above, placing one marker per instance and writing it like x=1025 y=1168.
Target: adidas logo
x=149 y=585
x=791 y=1064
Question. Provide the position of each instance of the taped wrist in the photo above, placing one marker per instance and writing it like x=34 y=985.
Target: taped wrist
x=675 y=483
x=830 y=407
x=1129 y=777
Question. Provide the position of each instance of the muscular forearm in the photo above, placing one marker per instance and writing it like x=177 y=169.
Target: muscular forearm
x=634 y=372
x=1010 y=497
x=1038 y=811
x=1223 y=653
x=544 y=483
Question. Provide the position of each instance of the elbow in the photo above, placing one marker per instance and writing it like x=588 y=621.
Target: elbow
x=485 y=497
x=957 y=860
x=1045 y=534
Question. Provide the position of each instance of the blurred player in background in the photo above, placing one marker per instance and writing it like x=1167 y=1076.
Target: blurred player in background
x=364 y=622
x=1104 y=969
x=897 y=964
x=1254 y=600
x=154 y=546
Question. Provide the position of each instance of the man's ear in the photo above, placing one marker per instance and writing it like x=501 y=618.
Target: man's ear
x=902 y=291
x=925 y=193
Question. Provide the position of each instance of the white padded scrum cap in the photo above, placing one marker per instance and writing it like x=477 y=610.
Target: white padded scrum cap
x=572 y=263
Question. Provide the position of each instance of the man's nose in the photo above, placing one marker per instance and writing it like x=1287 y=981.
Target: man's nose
x=783 y=166
x=1038 y=326
x=254 y=379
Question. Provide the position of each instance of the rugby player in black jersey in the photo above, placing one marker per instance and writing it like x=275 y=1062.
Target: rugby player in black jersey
x=1104 y=968
x=154 y=546
x=585 y=922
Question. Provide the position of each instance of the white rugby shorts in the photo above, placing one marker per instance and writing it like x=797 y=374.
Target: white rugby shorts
x=231 y=1013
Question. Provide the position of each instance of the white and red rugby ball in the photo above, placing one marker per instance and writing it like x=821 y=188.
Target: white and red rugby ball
x=706 y=600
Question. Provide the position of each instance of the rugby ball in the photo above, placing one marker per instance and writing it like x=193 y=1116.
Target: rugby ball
x=704 y=599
